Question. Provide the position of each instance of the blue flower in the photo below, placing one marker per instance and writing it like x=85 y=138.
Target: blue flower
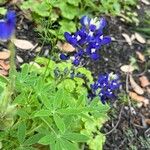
x=7 y=26
x=64 y=57
x=85 y=21
x=106 y=86
x=89 y=38
x=70 y=39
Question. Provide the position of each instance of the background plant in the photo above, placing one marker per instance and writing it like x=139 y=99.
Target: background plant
x=54 y=17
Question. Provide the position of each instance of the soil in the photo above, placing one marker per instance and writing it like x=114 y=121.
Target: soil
x=125 y=128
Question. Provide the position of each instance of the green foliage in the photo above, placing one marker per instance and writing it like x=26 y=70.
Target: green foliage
x=2 y=11
x=53 y=109
x=54 y=17
x=60 y=13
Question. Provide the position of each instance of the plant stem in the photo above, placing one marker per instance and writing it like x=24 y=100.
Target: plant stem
x=11 y=85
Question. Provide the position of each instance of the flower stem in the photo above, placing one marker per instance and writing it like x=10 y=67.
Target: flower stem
x=11 y=85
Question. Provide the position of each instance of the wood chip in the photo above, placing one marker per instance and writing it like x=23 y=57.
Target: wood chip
x=66 y=47
x=4 y=65
x=20 y=60
x=127 y=38
x=140 y=56
x=135 y=86
x=146 y=2
x=144 y=81
x=23 y=44
x=148 y=90
x=127 y=68
x=132 y=37
x=3 y=72
x=35 y=64
x=139 y=99
x=140 y=38
x=4 y=55
x=147 y=121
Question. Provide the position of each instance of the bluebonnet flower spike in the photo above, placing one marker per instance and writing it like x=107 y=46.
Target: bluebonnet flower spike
x=106 y=86
x=88 y=39
x=7 y=26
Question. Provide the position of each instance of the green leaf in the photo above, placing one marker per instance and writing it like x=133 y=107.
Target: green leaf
x=67 y=25
x=74 y=2
x=46 y=140
x=58 y=145
x=59 y=97
x=42 y=9
x=97 y=142
x=59 y=123
x=33 y=139
x=3 y=11
x=42 y=113
x=70 y=111
x=47 y=101
x=20 y=99
x=21 y=132
x=86 y=72
x=67 y=145
x=77 y=137
x=4 y=79
x=68 y=84
x=67 y=11
x=76 y=111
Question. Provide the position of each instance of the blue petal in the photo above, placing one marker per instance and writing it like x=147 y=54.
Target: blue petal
x=70 y=39
x=106 y=40
x=102 y=23
x=76 y=62
x=83 y=35
x=11 y=17
x=7 y=26
x=64 y=57
x=94 y=56
x=85 y=21
x=92 y=27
